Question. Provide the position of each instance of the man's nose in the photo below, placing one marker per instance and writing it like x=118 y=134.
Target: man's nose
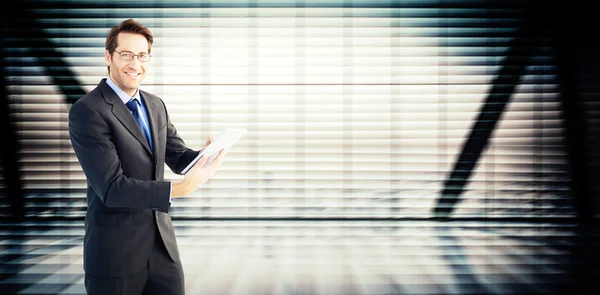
x=134 y=63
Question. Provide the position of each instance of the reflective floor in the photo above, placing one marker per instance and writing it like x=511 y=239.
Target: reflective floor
x=319 y=257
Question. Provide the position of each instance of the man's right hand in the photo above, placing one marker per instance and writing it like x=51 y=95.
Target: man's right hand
x=197 y=176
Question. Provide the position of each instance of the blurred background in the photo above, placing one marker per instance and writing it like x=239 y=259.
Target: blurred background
x=393 y=147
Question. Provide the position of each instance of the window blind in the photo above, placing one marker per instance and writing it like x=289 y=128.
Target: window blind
x=354 y=109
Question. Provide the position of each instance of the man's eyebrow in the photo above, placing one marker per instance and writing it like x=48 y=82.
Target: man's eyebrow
x=129 y=51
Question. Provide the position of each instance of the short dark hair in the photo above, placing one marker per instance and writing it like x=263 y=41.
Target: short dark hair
x=127 y=26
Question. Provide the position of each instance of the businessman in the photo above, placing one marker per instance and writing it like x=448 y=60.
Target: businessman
x=123 y=136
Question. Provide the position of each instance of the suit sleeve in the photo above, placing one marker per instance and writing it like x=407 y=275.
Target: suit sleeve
x=91 y=140
x=177 y=155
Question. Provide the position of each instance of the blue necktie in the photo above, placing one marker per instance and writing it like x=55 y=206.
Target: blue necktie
x=134 y=106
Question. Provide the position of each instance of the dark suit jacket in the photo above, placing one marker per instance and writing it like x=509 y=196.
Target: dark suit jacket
x=126 y=196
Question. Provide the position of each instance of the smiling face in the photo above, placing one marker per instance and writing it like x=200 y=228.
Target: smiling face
x=128 y=74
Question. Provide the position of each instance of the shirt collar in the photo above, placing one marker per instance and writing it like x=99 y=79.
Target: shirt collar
x=122 y=95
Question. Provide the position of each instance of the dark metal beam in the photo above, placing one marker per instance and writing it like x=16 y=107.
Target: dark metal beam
x=20 y=29
x=522 y=49
x=574 y=24
x=9 y=155
x=25 y=32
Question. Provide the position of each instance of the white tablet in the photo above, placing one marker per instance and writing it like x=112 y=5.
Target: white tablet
x=224 y=140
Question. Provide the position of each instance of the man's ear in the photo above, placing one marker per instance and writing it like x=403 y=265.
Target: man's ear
x=107 y=57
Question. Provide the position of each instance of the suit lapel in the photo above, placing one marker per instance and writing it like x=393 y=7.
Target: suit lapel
x=153 y=121
x=123 y=115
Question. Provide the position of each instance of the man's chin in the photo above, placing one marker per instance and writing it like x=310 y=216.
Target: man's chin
x=132 y=84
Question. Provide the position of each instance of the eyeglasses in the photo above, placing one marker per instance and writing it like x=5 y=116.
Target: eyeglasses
x=128 y=56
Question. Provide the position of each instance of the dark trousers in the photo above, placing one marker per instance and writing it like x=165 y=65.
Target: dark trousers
x=163 y=276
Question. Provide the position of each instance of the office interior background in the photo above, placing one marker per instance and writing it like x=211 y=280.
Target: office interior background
x=393 y=147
